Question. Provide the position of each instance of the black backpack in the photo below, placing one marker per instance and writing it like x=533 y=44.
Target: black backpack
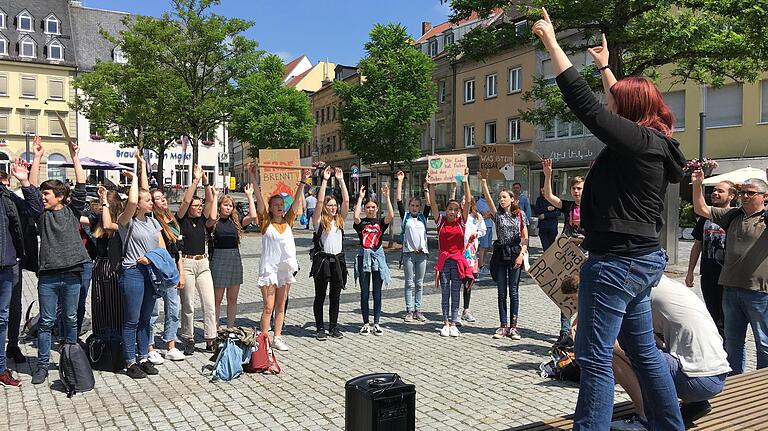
x=75 y=370
x=105 y=351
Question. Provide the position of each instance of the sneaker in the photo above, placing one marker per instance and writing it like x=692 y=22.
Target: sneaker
x=40 y=375
x=377 y=330
x=408 y=316
x=458 y=321
x=485 y=270
x=418 y=316
x=155 y=357
x=513 y=334
x=7 y=379
x=335 y=333
x=148 y=368
x=467 y=315
x=632 y=424
x=365 y=329
x=321 y=335
x=454 y=331
x=694 y=411
x=189 y=348
x=279 y=344
x=135 y=372
x=210 y=346
x=446 y=331
x=175 y=355
x=500 y=333
x=14 y=352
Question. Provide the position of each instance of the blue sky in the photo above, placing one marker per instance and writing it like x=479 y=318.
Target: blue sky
x=332 y=29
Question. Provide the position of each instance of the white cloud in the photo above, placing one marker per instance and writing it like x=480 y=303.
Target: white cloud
x=284 y=55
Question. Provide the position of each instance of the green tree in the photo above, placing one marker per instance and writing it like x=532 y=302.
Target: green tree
x=267 y=113
x=380 y=117
x=705 y=41
x=136 y=106
x=205 y=51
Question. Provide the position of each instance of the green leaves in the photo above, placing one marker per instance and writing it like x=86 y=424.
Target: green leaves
x=380 y=116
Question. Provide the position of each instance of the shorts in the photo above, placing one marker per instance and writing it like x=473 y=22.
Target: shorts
x=486 y=241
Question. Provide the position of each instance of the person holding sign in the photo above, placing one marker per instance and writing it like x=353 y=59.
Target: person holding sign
x=475 y=228
x=451 y=267
x=415 y=251
x=328 y=264
x=508 y=254
x=371 y=263
x=621 y=216
x=278 y=263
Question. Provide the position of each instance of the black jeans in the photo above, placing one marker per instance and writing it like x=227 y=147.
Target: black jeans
x=710 y=290
x=321 y=286
x=14 y=312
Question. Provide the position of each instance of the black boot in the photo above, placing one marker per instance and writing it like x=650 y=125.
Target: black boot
x=14 y=352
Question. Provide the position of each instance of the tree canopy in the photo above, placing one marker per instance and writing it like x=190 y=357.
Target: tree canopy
x=380 y=116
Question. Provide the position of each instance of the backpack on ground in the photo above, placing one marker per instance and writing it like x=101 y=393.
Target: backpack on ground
x=105 y=351
x=30 y=323
x=229 y=361
x=263 y=358
x=75 y=370
x=563 y=365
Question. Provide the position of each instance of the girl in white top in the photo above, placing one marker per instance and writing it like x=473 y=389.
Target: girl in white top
x=328 y=264
x=278 y=262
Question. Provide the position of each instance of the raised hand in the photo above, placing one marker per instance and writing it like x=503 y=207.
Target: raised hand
x=400 y=175
x=544 y=30
x=74 y=149
x=305 y=175
x=197 y=172
x=697 y=178
x=327 y=173
x=248 y=190
x=19 y=170
x=339 y=174
x=546 y=165
x=215 y=192
x=37 y=147
x=600 y=53
x=102 y=192
x=480 y=176
x=362 y=193
x=128 y=174
x=385 y=189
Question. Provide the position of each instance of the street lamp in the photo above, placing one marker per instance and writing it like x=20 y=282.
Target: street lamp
x=702 y=120
x=26 y=131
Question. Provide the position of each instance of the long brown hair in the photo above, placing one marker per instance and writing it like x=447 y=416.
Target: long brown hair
x=162 y=216
x=326 y=219
x=513 y=208
x=115 y=208
x=472 y=207
x=235 y=217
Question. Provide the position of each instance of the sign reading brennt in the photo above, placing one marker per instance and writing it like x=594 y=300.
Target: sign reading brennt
x=561 y=260
x=276 y=181
x=446 y=168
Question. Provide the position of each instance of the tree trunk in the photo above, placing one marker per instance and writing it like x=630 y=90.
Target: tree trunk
x=160 y=161
x=195 y=149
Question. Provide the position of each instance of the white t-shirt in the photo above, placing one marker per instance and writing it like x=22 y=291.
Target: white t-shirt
x=311 y=202
x=689 y=332
x=415 y=236
x=332 y=239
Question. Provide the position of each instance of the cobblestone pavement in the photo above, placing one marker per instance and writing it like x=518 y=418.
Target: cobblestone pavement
x=472 y=382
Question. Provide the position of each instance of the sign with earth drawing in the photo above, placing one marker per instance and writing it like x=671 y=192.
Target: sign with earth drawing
x=446 y=168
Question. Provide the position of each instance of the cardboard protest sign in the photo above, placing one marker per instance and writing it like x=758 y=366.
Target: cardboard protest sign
x=446 y=168
x=561 y=260
x=63 y=128
x=497 y=162
x=276 y=181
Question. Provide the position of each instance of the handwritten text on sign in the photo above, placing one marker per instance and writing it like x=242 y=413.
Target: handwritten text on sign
x=275 y=181
x=562 y=259
x=497 y=162
x=446 y=168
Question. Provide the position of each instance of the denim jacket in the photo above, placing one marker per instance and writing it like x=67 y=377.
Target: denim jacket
x=373 y=260
x=162 y=269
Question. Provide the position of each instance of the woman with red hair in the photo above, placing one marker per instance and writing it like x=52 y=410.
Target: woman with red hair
x=621 y=215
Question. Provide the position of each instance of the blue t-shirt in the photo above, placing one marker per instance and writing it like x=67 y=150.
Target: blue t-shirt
x=482 y=206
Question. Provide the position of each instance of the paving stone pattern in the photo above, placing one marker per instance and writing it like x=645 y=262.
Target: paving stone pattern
x=471 y=382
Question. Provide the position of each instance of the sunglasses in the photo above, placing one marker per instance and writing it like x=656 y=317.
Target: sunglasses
x=748 y=194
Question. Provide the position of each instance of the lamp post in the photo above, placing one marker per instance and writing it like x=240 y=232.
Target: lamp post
x=26 y=131
x=702 y=120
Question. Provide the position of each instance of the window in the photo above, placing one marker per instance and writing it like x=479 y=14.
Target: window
x=55 y=171
x=328 y=113
x=3 y=85
x=322 y=116
x=724 y=106
x=4 y=123
x=433 y=48
x=24 y=22
x=562 y=129
x=27 y=48
x=514 y=79
x=52 y=25
x=29 y=124
x=55 y=51
x=5 y=163
x=469 y=91
x=448 y=39
x=118 y=56
x=28 y=86
x=182 y=175
x=333 y=143
x=521 y=27
x=2 y=20
x=490 y=86
x=490 y=132
x=513 y=130
x=3 y=46
x=54 y=128
x=334 y=113
x=317 y=117
x=56 y=89
x=210 y=172
x=441 y=91
x=676 y=102
x=469 y=136
x=547 y=73
x=763 y=100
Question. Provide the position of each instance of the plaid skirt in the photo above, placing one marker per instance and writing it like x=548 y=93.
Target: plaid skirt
x=226 y=268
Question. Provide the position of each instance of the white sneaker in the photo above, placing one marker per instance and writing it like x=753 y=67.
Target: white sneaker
x=446 y=331
x=454 y=331
x=279 y=344
x=377 y=330
x=365 y=329
x=175 y=355
x=155 y=357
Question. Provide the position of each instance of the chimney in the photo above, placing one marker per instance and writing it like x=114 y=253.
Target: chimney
x=425 y=27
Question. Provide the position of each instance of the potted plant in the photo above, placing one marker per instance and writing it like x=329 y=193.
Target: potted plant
x=706 y=165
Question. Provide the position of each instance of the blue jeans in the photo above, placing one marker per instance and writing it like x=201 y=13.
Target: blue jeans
x=508 y=280
x=138 y=303
x=365 y=290
x=171 y=308
x=85 y=284
x=614 y=301
x=310 y=213
x=742 y=307
x=451 y=287
x=414 y=266
x=693 y=389
x=50 y=289
x=6 y=289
